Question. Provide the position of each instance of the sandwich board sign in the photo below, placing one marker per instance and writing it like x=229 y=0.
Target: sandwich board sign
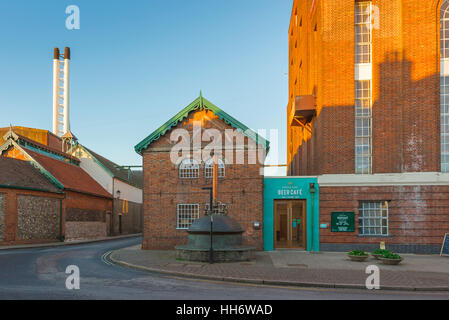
x=445 y=246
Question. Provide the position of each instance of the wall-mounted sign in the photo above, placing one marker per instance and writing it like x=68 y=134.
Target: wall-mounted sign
x=342 y=222
x=289 y=191
x=445 y=247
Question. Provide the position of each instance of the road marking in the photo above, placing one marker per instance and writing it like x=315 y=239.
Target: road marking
x=105 y=259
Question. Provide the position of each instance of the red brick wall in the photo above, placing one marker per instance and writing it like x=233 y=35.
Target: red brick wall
x=417 y=214
x=11 y=221
x=73 y=200
x=406 y=130
x=241 y=190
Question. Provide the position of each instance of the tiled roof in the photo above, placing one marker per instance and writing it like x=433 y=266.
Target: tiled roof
x=48 y=148
x=39 y=135
x=19 y=173
x=137 y=176
x=71 y=176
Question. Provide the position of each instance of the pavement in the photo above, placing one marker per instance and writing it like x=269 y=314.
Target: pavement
x=67 y=242
x=298 y=269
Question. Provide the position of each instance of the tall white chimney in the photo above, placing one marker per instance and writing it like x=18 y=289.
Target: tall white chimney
x=56 y=91
x=66 y=90
x=61 y=92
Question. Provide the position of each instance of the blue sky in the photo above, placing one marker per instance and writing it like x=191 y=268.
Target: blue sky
x=137 y=63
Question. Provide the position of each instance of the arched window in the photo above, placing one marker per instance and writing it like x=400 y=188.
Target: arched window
x=444 y=19
x=189 y=169
x=444 y=86
x=209 y=167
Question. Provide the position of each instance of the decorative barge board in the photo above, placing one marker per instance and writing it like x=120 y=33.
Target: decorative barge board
x=173 y=195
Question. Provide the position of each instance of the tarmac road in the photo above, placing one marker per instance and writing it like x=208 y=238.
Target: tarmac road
x=39 y=273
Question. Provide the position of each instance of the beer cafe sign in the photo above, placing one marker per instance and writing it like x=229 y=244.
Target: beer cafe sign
x=289 y=191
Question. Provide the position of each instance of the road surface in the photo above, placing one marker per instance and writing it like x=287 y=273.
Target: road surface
x=39 y=273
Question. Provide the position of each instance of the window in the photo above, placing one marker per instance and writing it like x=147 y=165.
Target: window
x=363 y=121
x=189 y=169
x=444 y=88
x=296 y=17
x=363 y=90
x=209 y=168
x=444 y=32
x=363 y=32
x=187 y=214
x=373 y=218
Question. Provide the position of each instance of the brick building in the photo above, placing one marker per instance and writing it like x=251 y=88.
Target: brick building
x=85 y=206
x=30 y=205
x=368 y=114
x=173 y=195
x=123 y=184
x=88 y=171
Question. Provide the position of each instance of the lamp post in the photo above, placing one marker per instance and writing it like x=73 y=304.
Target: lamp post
x=211 y=250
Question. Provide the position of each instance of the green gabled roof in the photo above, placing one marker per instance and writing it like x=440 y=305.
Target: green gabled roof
x=199 y=104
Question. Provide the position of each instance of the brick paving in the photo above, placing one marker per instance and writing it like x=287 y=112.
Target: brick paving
x=264 y=270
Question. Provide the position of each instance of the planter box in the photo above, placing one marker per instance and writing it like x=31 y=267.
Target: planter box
x=377 y=256
x=391 y=261
x=358 y=258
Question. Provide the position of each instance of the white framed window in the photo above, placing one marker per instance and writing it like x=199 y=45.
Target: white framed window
x=363 y=89
x=444 y=29
x=186 y=215
x=373 y=218
x=444 y=86
x=189 y=169
x=209 y=168
x=363 y=127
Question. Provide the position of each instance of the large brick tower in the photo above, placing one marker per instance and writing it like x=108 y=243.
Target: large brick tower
x=368 y=114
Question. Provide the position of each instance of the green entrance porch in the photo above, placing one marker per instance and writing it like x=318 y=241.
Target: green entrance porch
x=291 y=213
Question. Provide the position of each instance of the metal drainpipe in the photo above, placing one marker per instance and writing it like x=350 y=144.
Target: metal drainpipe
x=60 y=220
x=312 y=193
x=111 y=223
x=211 y=249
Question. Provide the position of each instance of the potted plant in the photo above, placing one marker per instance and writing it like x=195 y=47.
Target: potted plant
x=357 y=255
x=379 y=252
x=391 y=258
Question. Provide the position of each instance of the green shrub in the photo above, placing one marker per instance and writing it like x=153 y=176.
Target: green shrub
x=393 y=256
x=381 y=251
x=357 y=253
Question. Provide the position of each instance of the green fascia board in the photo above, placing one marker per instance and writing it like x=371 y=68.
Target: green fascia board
x=33 y=162
x=42 y=170
x=199 y=104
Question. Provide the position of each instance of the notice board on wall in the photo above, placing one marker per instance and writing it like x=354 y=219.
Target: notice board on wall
x=342 y=222
x=445 y=246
